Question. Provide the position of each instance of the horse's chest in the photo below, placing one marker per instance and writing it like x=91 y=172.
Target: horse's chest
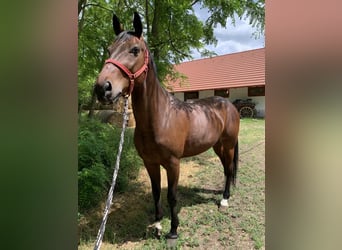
x=150 y=146
x=146 y=145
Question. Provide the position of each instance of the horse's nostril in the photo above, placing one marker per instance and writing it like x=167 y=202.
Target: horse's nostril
x=107 y=86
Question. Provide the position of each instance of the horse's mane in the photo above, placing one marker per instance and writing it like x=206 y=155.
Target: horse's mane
x=151 y=58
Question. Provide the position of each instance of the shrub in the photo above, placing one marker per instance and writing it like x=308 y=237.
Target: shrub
x=91 y=185
x=97 y=150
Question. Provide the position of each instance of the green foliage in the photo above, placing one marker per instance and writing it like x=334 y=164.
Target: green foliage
x=97 y=150
x=91 y=185
x=94 y=35
x=173 y=34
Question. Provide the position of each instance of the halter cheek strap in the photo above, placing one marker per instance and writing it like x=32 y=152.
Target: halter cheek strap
x=131 y=76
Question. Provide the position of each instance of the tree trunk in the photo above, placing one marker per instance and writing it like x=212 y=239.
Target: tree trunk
x=155 y=29
x=81 y=4
x=93 y=95
x=92 y=104
x=147 y=20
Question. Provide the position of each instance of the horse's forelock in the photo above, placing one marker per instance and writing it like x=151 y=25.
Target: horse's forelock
x=120 y=39
x=127 y=35
x=123 y=36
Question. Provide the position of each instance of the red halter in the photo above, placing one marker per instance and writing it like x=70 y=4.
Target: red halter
x=131 y=76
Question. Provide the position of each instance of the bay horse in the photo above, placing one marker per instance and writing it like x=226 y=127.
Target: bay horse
x=167 y=129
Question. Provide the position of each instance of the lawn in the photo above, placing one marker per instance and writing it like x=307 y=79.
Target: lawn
x=202 y=224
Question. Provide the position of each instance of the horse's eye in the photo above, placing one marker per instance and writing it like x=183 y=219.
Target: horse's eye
x=135 y=51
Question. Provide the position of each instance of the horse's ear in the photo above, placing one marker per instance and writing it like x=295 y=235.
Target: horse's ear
x=116 y=25
x=137 y=25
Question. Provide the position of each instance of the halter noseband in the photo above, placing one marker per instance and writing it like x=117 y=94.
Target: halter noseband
x=131 y=76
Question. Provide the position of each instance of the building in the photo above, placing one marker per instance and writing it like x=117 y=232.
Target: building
x=235 y=76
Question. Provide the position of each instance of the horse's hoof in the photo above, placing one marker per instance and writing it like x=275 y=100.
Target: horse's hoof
x=158 y=230
x=157 y=233
x=171 y=236
x=171 y=243
x=224 y=203
x=171 y=240
x=222 y=209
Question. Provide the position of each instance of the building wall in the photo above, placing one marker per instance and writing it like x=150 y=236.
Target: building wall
x=242 y=93
x=237 y=93
x=234 y=93
x=201 y=94
x=180 y=95
x=205 y=93
x=260 y=105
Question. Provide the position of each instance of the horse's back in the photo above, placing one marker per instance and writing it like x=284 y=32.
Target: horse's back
x=229 y=115
x=211 y=119
x=223 y=108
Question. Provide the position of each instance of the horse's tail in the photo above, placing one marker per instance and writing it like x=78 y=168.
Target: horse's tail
x=235 y=162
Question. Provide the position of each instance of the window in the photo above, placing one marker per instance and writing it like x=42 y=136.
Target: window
x=190 y=95
x=221 y=92
x=256 y=91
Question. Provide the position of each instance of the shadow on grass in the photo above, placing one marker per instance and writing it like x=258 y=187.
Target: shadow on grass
x=133 y=212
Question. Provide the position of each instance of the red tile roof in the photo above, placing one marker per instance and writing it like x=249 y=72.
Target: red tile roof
x=227 y=71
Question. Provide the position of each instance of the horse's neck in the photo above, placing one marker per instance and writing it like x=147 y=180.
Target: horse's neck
x=149 y=101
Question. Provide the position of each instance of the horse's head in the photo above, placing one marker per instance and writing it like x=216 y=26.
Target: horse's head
x=126 y=65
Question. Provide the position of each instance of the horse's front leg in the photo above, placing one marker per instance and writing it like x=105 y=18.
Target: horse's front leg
x=172 y=179
x=154 y=173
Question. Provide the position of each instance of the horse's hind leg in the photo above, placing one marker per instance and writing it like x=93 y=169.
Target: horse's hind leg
x=226 y=156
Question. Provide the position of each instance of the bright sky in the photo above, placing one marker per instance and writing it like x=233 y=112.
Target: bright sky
x=232 y=39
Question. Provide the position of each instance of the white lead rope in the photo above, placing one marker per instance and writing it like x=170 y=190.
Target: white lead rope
x=115 y=174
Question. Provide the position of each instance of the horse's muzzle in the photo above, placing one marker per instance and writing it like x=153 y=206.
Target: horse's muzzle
x=104 y=93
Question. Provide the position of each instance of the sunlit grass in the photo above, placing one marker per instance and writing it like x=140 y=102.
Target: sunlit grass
x=202 y=224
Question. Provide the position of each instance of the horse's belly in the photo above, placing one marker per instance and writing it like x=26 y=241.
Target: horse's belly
x=199 y=144
x=191 y=151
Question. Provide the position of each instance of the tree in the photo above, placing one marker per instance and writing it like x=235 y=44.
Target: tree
x=171 y=30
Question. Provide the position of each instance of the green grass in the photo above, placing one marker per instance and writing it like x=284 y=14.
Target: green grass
x=202 y=224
